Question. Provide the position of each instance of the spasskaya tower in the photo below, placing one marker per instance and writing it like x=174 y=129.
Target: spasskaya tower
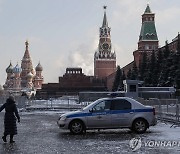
x=104 y=57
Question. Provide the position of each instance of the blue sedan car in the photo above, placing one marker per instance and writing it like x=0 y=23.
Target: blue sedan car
x=109 y=113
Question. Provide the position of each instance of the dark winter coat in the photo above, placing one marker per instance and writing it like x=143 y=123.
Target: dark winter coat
x=11 y=113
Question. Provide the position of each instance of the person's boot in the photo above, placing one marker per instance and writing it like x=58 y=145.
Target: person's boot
x=4 y=138
x=11 y=139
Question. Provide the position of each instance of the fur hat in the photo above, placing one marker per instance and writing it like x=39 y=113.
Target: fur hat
x=11 y=97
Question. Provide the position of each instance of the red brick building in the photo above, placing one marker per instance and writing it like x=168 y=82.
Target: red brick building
x=71 y=83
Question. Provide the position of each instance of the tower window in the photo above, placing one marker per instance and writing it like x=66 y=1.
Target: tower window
x=147 y=47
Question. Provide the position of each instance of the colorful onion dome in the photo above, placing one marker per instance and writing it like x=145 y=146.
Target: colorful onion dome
x=30 y=75
x=9 y=69
x=33 y=71
x=39 y=67
x=5 y=86
x=17 y=69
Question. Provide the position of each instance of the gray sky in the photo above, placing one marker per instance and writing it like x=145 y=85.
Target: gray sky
x=65 y=33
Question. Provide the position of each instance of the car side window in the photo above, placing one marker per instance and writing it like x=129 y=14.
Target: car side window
x=102 y=106
x=120 y=104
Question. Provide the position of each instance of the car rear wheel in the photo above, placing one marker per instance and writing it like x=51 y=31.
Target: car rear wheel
x=76 y=127
x=140 y=126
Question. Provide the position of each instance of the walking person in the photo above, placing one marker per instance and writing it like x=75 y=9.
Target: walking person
x=11 y=114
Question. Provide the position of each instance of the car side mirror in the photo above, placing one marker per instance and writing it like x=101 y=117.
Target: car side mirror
x=91 y=110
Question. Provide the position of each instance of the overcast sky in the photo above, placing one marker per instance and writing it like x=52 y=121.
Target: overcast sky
x=65 y=33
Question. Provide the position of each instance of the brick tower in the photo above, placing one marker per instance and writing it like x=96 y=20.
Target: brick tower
x=104 y=58
x=148 y=39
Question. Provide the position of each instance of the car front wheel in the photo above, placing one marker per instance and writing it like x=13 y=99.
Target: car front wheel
x=140 y=126
x=76 y=127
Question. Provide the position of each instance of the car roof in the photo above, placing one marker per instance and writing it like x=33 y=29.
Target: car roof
x=109 y=98
x=132 y=101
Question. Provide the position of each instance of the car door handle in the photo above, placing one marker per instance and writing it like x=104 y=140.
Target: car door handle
x=131 y=112
x=99 y=117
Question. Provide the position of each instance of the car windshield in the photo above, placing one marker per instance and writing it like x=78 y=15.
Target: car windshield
x=88 y=106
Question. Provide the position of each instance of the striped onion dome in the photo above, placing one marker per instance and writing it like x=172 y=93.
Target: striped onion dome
x=17 y=69
x=39 y=67
x=9 y=69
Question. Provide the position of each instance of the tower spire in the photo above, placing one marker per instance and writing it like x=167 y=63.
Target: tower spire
x=148 y=9
x=27 y=54
x=105 y=23
x=27 y=44
x=148 y=29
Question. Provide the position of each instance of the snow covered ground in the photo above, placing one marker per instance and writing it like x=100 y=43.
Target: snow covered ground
x=162 y=138
x=39 y=133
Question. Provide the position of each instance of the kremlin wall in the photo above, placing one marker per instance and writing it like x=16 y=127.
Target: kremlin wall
x=74 y=80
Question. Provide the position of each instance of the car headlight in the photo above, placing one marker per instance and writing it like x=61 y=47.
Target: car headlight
x=63 y=118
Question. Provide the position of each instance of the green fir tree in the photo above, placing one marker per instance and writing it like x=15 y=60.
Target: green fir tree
x=143 y=67
x=152 y=77
x=117 y=80
x=134 y=73
x=177 y=64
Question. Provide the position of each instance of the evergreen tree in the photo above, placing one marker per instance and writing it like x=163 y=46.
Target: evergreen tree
x=159 y=64
x=165 y=76
x=147 y=74
x=166 y=51
x=143 y=67
x=170 y=70
x=118 y=79
x=134 y=73
x=152 y=71
x=121 y=82
x=129 y=74
x=123 y=76
x=177 y=64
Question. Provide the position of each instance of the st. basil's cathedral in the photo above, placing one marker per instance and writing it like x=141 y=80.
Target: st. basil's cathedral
x=26 y=77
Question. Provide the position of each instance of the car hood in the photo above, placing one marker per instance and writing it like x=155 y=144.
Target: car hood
x=72 y=113
x=149 y=107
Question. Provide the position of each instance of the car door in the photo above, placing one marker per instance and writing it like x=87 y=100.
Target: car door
x=121 y=113
x=100 y=115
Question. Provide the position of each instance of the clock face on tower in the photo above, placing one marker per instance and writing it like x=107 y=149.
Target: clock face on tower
x=105 y=46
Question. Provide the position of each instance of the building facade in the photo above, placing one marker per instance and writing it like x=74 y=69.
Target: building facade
x=104 y=57
x=25 y=77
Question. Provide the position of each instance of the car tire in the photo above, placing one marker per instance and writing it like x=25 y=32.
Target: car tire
x=76 y=127
x=140 y=126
